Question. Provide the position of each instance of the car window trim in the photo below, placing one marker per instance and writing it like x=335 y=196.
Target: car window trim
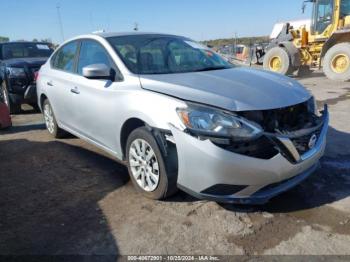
x=113 y=64
x=52 y=60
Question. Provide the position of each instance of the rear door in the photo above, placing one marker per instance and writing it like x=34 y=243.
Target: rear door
x=59 y=83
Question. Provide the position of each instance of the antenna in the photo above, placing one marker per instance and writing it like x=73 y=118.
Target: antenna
x=60 y=20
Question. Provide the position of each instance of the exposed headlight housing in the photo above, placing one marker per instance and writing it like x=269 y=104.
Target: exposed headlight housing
x=212 y=122
x=312 y=106
x=16 y=72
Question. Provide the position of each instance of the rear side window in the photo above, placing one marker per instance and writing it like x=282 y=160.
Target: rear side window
x=91 y=53
x=65 y=57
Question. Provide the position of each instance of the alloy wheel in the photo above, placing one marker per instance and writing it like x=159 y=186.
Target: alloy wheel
x=144 y=165
x=49 y=118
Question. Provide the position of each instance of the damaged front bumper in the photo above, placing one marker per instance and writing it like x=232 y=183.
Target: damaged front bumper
x=208 y=171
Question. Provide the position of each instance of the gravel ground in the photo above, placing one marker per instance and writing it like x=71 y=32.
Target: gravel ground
x=67 y=197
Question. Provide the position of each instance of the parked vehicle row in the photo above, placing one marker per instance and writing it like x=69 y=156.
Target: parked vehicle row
x=180 y=116
x=19 y=62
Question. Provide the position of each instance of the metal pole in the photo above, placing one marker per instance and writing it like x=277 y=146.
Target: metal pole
x=235 y=49
x=136 y=27
x=60 y=20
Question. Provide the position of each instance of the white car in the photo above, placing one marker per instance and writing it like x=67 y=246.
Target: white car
x=180 y=116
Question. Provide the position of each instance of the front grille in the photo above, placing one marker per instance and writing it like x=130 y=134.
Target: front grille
x=302 y=143
x=289 y=119
x=290 y=122
x=261 y=148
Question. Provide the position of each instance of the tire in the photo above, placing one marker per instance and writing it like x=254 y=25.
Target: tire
x=333 y=62
x=278 y=60
x=50 y=121
x=165 y=186
x=5 y=98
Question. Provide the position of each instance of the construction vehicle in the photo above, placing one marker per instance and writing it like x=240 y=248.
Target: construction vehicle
x=325 y=44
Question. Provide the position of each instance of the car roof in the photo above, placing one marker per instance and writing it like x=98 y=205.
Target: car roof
x=113 y=34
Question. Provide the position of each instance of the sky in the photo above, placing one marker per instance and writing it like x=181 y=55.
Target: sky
x=197 y=19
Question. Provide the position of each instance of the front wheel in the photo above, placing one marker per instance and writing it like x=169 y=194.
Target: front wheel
x=149 y=169
x=336 y=62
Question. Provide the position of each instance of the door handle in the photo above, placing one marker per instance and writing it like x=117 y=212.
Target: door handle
x=75 y=90
x=49 y=83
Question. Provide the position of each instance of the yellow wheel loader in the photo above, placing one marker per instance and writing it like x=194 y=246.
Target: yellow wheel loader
x=325 y=44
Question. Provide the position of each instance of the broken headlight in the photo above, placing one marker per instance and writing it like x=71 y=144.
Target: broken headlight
x=311 y=105
x=207 y=121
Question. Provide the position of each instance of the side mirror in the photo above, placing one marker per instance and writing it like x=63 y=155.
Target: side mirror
x=97 y=71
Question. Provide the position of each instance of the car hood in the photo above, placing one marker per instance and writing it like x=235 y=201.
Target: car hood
x=235 y=89
x=26 y=62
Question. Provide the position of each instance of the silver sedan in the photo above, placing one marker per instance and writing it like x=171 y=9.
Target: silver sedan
x=180 y=116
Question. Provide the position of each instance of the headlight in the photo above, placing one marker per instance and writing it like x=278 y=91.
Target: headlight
x=16 y=72
x=209 y=121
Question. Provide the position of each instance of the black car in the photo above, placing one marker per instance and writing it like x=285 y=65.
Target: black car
x=19 y=63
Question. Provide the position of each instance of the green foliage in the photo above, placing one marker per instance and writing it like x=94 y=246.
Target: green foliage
x=240 y=41
x=4 y=39
x=45 y=40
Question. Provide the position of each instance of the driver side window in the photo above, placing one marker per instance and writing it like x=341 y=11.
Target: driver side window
x=91 y=53
x=324 y=15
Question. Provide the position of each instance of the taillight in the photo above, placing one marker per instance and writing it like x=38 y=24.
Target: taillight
x=36 y=76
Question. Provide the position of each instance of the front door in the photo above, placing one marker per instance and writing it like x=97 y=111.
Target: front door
x=94 y=100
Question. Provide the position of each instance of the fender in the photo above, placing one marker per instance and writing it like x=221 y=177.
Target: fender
x=285 y=40
x=292 y=51
x=340 y=36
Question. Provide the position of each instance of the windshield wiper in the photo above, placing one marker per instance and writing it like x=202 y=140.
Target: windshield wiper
x=211 y=68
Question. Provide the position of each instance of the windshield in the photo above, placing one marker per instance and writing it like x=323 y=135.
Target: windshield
x=24 y=50
x=156 y=54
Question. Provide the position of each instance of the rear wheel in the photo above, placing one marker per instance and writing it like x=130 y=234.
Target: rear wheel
x=336 y=63
x=150 y=171
x=50 y=121
x=278 y=60
x=5 y=98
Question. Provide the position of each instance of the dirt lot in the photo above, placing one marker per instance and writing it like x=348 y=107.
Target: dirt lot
x=67 y=197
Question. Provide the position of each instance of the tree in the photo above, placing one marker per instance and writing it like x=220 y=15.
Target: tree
x=46 y=40
x=4 y=39
x=243 y=41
